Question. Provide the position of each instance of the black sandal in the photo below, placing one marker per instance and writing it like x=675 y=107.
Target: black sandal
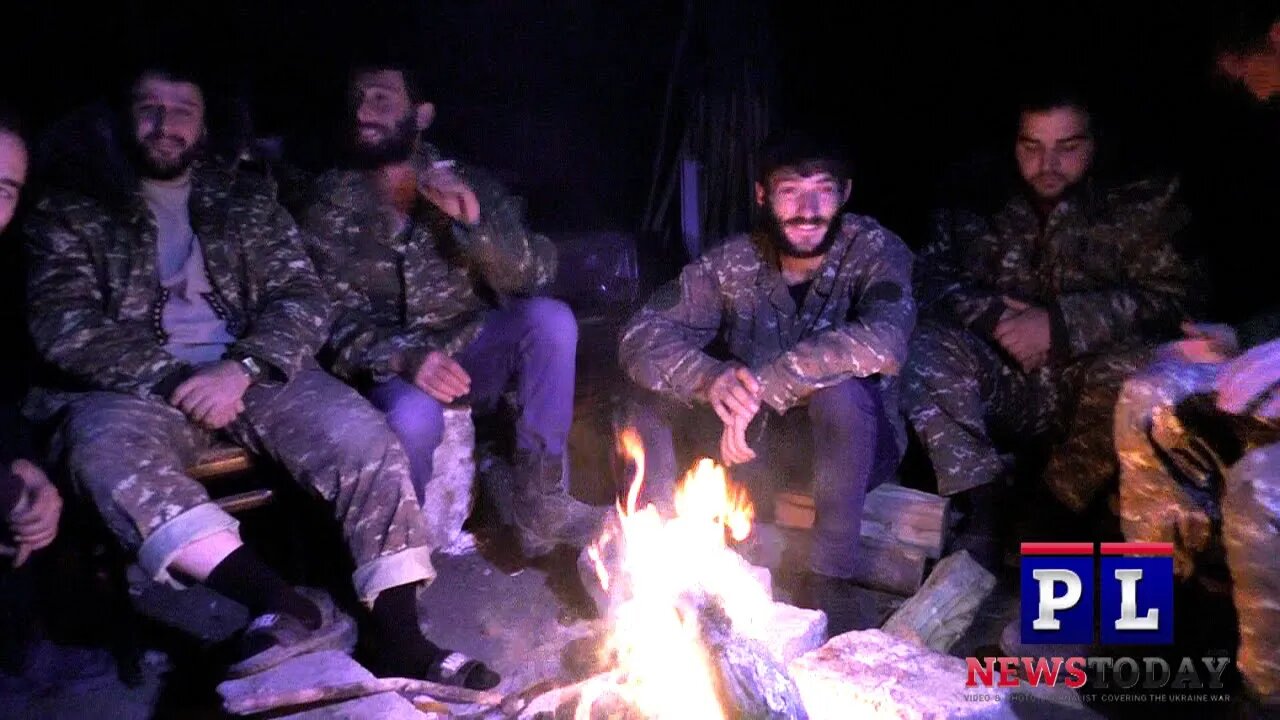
x=284 y=637
x=458 y=670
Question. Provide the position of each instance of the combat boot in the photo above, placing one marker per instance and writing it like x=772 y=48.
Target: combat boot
x=545 y=515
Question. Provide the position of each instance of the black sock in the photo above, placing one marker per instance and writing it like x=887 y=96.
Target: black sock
x=399 y=651
x=245 y=578
x=391 y=639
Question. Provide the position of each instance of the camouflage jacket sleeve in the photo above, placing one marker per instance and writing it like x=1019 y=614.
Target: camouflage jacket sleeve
x=1150 y=302
x=511 y=259
x=68 y=320
x=948 y=287
x=872 y=341
x=662 y=346
x=293 y=310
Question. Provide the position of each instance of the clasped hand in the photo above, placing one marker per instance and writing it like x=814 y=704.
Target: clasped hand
x=734 y=395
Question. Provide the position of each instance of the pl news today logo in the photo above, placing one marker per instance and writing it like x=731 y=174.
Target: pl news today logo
x=1128 y=594
x=1122 y=595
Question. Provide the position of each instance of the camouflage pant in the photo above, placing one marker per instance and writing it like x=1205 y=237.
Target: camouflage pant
x=1237 y=516
x=958 y=389
x=129 y=453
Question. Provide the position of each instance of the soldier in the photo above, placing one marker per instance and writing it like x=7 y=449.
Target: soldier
x=1198 y=431
x=806 y=318
x=184 y=308
x=1035 y=314
x=29 y=504
x=434 y=275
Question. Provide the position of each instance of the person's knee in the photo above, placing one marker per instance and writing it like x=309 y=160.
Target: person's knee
x=550 y=322
x=853 y=404
x=936 y=354
x=417 y=419
x=100 y=428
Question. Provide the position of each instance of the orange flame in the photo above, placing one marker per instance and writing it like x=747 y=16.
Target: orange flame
x=629 y=444
x=663 y=669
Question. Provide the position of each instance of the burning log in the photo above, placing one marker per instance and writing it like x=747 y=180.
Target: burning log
x=751 y=683
x=945 y=607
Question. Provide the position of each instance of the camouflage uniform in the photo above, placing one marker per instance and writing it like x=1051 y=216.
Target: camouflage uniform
x=838 y=354
x=1105 y=267
x=441 y=286
x=427 y=292
x=96 y=302
x=1179 y=486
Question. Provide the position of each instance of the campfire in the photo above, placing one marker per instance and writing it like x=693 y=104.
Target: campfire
x=687 y=617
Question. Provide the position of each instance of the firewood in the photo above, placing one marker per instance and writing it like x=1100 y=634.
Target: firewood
x=752 y=684
x=890 y=567
x=252 y=705
x=892 y=515
x=945 y=606
x=915 y=519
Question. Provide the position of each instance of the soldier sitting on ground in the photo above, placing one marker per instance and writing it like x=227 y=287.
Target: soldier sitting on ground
x=1033 y=315
x=806 y=318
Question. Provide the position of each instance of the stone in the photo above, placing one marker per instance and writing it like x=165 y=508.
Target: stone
x=329 y=667
x=795 y=631
x=449 y=496
x=870 y=674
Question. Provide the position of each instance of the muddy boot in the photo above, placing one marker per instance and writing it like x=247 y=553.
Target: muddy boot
x=545 y=515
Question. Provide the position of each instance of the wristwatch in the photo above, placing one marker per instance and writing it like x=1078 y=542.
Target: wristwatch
x=252 y=367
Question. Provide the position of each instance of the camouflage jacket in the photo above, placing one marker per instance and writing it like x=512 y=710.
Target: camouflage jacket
x=854 y=322
x=1105 y=265
x=94 y=297
x=427 y=292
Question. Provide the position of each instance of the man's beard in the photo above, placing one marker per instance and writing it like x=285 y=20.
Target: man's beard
x=394 y=148
x=155 y=168
x=777 y=235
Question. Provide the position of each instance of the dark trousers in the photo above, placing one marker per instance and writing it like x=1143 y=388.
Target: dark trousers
x=530 y=344
x=853 y=450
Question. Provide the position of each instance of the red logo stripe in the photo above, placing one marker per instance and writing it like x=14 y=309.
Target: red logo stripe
x=1051 y=548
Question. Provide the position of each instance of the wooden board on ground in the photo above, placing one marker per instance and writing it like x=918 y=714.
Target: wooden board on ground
x=330 y=667
x=892 y=568
x=946 y=604
x=892 y=515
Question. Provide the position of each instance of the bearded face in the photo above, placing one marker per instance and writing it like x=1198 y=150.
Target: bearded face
x=168 y=126
x=384 y=123
x=801 y=211
x=374 y=145
x=1054 y=151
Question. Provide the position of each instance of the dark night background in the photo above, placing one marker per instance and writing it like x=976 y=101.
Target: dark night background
x=564 y=98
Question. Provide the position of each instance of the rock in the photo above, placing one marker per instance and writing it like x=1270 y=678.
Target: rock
x=870 y=674
x=330 y=667
x=795 y=631
x=448 y=497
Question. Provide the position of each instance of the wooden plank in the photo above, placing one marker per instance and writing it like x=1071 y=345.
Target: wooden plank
x=889 y=567
x=892 y=515
x=250 y=500
x=945 y=606
x=218 y=461
x=914 y=518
